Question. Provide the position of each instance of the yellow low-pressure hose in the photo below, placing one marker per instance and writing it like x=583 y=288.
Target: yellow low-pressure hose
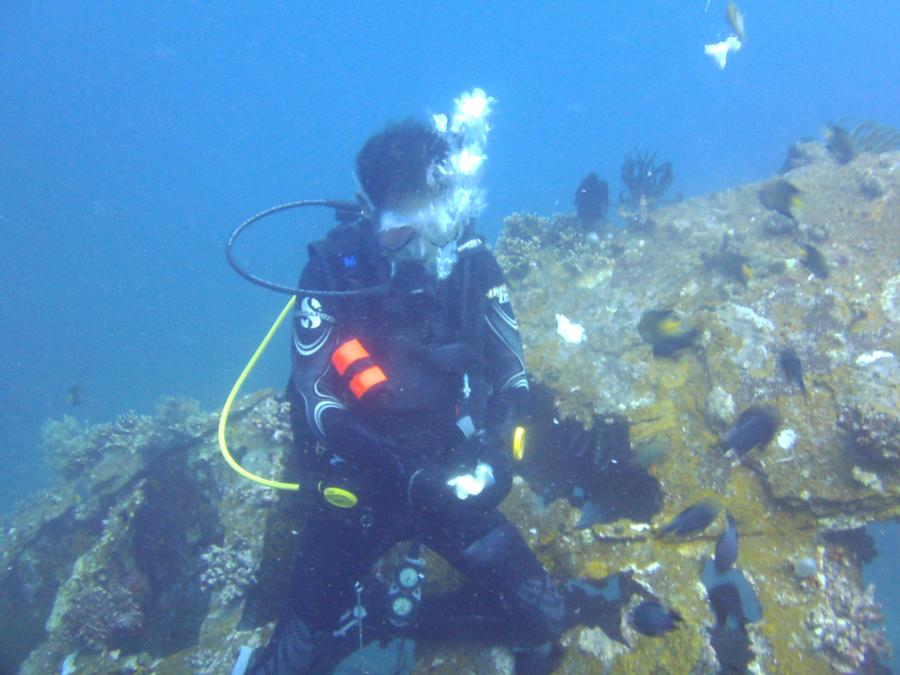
x=223 y=419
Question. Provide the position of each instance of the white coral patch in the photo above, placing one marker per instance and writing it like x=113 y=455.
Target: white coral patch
x=871 y=357
x=569 y=331
x=786 y=439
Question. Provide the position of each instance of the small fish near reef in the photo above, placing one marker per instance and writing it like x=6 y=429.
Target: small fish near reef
x=782 y=196
x=754 y=429
x=727 y=546
x=665 y=332
x=651 y=618
x=792 y=368
x=840 y=143
x=646 y=454
x=592 y=202
x=75 y=395
x=729 y=262
x=692 y=520
x=813 y=260
x=727 y=605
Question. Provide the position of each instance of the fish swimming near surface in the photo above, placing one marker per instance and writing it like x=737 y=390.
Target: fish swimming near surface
x=754 y=429
x=693 y=519
x=651 y=618
x=782 y=196
x=792 y=368
x=735 y=20
x=591 y=202
x=75 y=395
x=727 y=545
x=813 y=260
x=665 y=332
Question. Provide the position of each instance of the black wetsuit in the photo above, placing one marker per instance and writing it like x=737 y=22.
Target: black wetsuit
x=447 y=350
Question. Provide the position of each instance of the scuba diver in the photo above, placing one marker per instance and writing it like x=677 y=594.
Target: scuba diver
x=411 y=397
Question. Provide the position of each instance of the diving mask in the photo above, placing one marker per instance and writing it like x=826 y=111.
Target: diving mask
x=435 y=223
x=426 y=236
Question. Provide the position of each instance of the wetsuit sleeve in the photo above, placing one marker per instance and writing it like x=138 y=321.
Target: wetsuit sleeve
x=317 y=385
x=506 y=373
x=504 y=357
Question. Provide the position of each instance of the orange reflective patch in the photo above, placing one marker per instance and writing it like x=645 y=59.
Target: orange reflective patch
x=347 y=354
x=366 y=379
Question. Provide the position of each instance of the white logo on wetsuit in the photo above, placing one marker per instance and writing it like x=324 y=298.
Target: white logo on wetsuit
x=310 y=313
x=501 y=293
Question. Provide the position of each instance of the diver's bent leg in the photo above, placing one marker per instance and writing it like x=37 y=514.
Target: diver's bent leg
x=335 y=552
x=510 y=597
x=290 y=650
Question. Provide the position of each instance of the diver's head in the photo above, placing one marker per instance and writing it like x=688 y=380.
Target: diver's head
x=422 y=181
x=396 y=167
x=399 y=172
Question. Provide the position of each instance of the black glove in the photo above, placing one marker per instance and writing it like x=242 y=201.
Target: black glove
x=437 y=489
x=427 y=489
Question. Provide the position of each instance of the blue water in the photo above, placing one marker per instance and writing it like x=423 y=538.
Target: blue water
x=883 y=573
x=134 y=136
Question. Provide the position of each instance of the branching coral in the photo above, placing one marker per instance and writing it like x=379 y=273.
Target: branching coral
x=644 y=179
x=98 y=618
x=230 y=570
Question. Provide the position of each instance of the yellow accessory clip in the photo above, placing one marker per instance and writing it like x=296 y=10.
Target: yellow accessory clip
x=518 y=446
x=223 y=418
x=339 y=497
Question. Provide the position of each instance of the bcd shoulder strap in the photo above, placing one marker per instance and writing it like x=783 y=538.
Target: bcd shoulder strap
x=347 y=254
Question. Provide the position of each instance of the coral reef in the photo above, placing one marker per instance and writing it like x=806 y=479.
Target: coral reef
x=71 y=449
x=874 y=434
x=142 y=558
x=846 y=627
x=825 y=470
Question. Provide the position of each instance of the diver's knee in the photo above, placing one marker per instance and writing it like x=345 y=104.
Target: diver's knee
x=498 y=544
x=543 y=609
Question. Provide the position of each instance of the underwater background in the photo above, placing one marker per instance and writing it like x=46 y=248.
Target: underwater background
x=135 y=136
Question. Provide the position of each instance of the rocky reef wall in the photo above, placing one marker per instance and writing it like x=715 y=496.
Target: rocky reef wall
x=740 y=274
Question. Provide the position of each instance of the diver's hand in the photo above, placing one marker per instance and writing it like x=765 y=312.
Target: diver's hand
x=433 y=490
x=473 y=484
x=494 y=490
x=485 y=450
